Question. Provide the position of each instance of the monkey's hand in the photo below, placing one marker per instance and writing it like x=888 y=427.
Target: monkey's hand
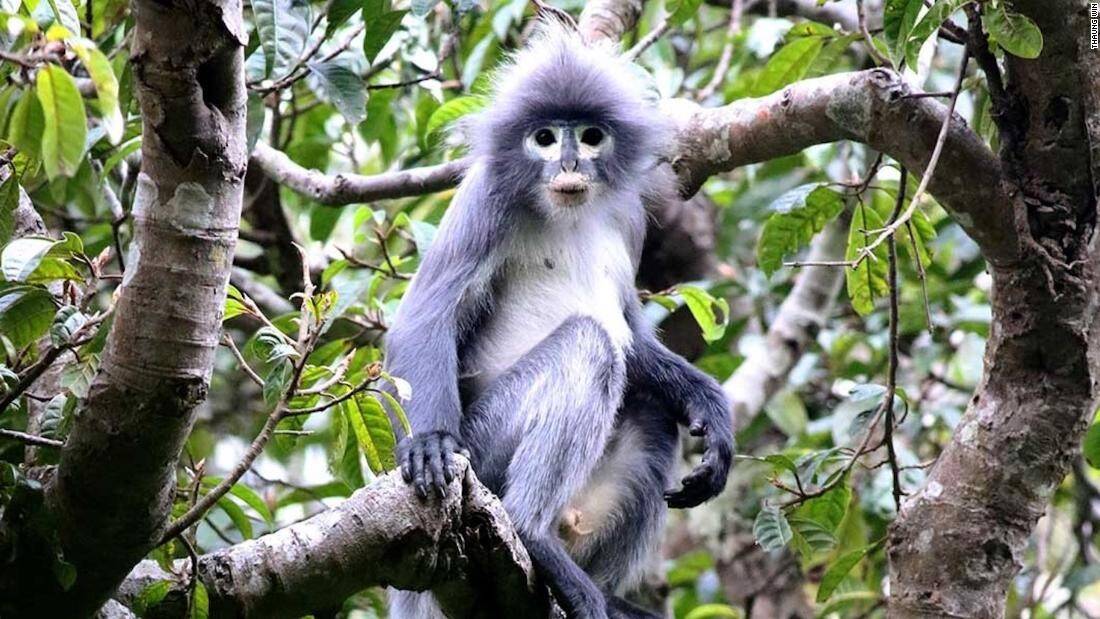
x=427 y=461
x=709 y=420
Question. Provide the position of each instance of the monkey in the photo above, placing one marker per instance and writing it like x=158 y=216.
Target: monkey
x=524 y=340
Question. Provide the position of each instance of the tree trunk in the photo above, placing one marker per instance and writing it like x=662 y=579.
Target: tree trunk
x=116 y=481
x=959 y=541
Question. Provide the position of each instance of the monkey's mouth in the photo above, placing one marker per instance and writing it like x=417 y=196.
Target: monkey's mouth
x=568 y=188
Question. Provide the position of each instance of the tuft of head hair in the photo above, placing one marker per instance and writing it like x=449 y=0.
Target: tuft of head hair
x=557 y=76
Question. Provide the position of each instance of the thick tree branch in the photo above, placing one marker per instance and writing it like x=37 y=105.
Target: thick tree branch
x=867 y=106
x=115 y=483
x=609 y=20
x=340 y=189
x=462 y=547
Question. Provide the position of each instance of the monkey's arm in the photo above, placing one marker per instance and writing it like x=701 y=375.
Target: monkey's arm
x=694 y=397
x=422 y=343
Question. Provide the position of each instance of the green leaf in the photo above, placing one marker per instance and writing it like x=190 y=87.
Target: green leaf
x=899 y=17
x=799 y=214
x=276 y=381
x=868 y=280
x=702 y=306
x=787 y=65
x=200 y=602
x=380 y=29
x=106 y=86
x=372 y=430
x=928 y=25
x=838 y=571
x=1016 y=33
x=771 y=529
x=123 y=151
x=27 y=126
x=65 y=14
x=339 y=12
x=247 y=495
x=1091 y=445
x=811 y=538
x=21 y=257
x=237 y=515
x=284 y=29
x=9 y=202
x=683 y=10
x=153 y=594
x=65 y=573
x=65 y=123
x=828 y=509
x=342 y=87
x=449 y=112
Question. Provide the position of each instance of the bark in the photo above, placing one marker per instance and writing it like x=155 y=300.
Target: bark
x=609 y=20
x=462 y=547
x=114 y=486
x=800 y=317
x=959 y=541
x=340 y=189
x=867 y=106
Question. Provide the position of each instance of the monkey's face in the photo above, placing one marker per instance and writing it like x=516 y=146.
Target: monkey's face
x=571 y=155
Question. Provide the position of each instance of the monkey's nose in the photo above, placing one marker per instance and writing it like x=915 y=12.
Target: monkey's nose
x=569 y=165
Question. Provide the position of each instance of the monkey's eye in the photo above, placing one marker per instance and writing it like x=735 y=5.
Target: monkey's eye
x=544 y=137
x=592 y=136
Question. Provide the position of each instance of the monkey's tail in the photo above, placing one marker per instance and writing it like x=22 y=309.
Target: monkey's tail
x=413 y=605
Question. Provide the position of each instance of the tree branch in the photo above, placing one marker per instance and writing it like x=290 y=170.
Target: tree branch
x=868 y=106
x=340 y=189
x=462 y=547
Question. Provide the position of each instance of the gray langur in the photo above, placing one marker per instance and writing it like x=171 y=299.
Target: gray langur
x=523 y=338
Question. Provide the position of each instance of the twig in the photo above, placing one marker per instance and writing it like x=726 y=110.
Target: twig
x=926 y=178
x=892 y=367
x=649 y=39
x=360 y=388
x=871 y=49
x=31 y=439
x=228 y=342
x=734 y=27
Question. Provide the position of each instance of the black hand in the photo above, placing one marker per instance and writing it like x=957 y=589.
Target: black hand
x=427 y=460
x=708 y=479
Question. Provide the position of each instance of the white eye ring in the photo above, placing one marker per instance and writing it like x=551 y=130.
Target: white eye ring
x=591 y=141
x=545 y=143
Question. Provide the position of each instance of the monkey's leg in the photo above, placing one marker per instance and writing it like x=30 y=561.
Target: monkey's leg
x=642 y=458
x=536 y=435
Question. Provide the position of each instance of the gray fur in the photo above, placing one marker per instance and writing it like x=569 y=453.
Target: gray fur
x=521 y=338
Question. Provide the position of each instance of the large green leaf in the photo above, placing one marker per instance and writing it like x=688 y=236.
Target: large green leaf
x=788 y=65
x=106 y=86
x=1016 y=33
x=682 y=10
x=381 y=24
x=339 y=11
x=27 y=125
x=798 y=215
x=451 y=111
x=343 y=87
x=867 y=281
x=927 y=26
x=771 y=529
x=372 y=430
x=283 y=26
x=9 y=202
x=838 y=571
x=828 y=509
x=65 y=124
x=26 y=313
x=711 y=313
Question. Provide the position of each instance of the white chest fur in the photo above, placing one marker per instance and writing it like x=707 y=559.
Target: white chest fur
x=551 y=273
